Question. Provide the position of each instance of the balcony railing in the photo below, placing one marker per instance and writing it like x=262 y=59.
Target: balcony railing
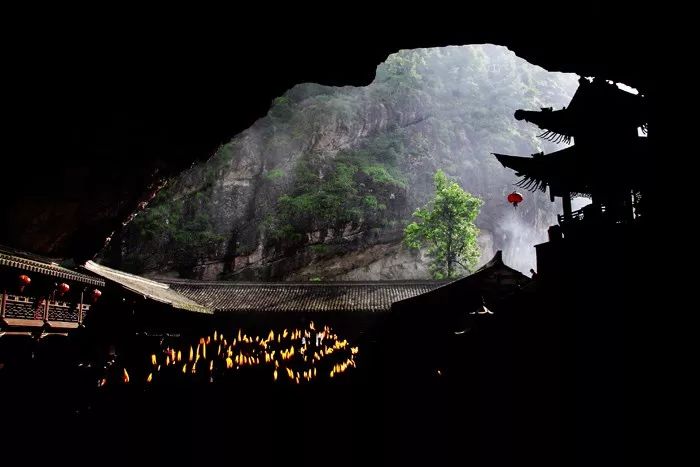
x=19 y=310
x=585 y=214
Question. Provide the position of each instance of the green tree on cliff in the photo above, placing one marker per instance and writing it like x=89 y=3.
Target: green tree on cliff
x=446 y=227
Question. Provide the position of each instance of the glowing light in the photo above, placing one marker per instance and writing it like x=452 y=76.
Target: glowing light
x=303 y=358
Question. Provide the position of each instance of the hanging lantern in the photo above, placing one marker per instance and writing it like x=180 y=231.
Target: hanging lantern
x=515 y=198
x=63 y=288
x=96 y=293
x=24 y=280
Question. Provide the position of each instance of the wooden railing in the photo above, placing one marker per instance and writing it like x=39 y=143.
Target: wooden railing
x=19 y=310
x=580 y=214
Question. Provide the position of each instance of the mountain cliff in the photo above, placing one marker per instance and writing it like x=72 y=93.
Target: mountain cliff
x=322 y=186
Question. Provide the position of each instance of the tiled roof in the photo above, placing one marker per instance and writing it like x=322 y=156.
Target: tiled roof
x=32 y=263
x=149 y=288
x=300 y=297
x=493 y=280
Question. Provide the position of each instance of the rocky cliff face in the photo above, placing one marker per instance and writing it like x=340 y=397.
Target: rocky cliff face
x=322 y=187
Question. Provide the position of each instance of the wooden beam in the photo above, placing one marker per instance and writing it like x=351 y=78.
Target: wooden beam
x=566 y=204
x=21 y=322
x=80 y=307
x=62 y=324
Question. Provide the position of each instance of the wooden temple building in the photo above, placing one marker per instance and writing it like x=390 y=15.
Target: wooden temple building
x=606 y=162
x=40 y=297
x=569 y=331
x=117 y=310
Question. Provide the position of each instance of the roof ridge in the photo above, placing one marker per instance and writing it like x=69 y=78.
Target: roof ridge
x=51 y=268
x=195 y=282
x=91 y=266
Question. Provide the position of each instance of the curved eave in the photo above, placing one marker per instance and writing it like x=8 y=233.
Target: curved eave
x=540 y=171
x=29 y=265
x=557 y=124
x=147 y=288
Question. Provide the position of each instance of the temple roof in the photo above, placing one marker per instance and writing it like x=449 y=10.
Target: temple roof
x=494 y=280
x=577 y=170
x=25 y=261
x=596 y=106
x=148 y=288
x=540 y=171
x=301 y=297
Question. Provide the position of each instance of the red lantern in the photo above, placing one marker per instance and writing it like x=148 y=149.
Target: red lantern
x=24 y=280
x=96 y=293
x=63 y=288
x=515 y=198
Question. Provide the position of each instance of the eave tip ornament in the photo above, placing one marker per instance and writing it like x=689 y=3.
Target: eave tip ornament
x=515 y=198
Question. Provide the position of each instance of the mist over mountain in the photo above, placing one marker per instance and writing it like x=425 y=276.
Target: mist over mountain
x=322 y=186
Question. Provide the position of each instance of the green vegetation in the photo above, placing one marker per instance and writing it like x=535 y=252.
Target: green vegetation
x=190 y=237
x=320 y=249
x=329 y=194
x=446 y=227
x=274 y=174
